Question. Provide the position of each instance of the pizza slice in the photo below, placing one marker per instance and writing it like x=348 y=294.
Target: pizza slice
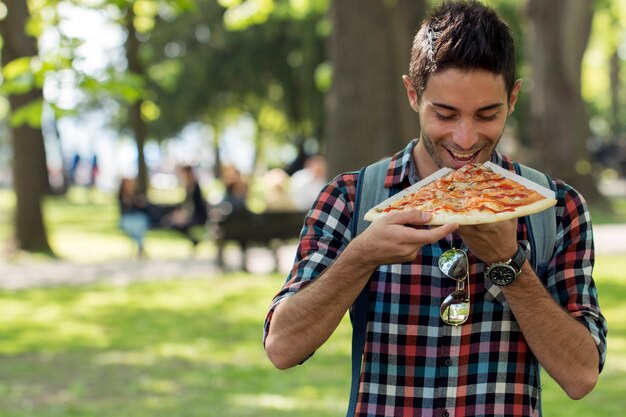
x=473 y=194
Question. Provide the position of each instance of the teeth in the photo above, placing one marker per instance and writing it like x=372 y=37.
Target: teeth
x=462 y=156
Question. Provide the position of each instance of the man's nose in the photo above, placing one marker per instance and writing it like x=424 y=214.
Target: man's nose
x=465 y=134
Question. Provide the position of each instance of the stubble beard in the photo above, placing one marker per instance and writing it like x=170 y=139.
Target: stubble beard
x=430 y=147
x=428 y=144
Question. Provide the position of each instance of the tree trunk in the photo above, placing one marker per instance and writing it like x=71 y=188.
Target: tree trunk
x=137 y=124
x=560 y=125
x=30 y=172
x=367 y=113
x=615 y=68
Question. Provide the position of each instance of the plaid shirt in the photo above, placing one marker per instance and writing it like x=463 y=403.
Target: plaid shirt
x=414 y=364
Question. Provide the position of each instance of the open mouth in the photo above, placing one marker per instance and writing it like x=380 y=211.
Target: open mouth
x=460 y=159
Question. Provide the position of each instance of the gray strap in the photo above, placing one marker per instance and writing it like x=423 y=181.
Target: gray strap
x=373 y=191
x=370 y=191
x=541 y=229
x=542 y=225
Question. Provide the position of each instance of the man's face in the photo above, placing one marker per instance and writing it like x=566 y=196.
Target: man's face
x=462 y=117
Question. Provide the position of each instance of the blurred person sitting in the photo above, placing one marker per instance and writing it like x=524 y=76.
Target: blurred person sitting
x=277 y=194
x=235 y=192
x=307 y=182
x=134 y=209
x=192 y=211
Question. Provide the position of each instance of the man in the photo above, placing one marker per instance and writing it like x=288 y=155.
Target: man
x=462 y=85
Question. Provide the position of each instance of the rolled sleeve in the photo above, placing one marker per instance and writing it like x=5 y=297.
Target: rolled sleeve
x=570 y=276
x=325 y=234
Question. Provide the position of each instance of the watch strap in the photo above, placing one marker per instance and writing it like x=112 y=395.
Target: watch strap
x=517 y=261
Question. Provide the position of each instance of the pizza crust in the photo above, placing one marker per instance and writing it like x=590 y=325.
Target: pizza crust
x=475 y=217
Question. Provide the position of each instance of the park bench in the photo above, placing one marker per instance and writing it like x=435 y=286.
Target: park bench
x=245 y=228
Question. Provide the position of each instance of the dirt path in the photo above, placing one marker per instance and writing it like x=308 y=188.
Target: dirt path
x=609 y=240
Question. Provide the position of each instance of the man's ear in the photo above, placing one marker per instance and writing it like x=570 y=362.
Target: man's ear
x=514 y=95
x=411 y=93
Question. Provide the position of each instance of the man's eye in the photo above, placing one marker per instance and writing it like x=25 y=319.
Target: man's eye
x=444 y=116
x=488 y=118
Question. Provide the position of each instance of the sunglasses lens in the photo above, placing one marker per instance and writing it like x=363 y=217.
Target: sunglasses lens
x=455 y=309
x=453 y=263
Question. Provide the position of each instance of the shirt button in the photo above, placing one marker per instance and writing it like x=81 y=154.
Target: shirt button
x=445 y=414
x=448 y=362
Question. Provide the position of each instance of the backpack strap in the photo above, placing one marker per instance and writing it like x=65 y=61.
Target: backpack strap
x=366 y=197
x=541 y=226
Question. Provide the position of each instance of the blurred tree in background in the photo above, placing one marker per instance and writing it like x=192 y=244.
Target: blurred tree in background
x=327 y=71
x=368 y=116
x=558 y=120
x=22 y=84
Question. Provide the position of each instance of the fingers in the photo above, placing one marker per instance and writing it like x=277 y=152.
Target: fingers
x=491 y=242
x=408 y=217
x=419 y=218
x=477 y=228
x=413 y=218
x=435 y=234
x=397 y=237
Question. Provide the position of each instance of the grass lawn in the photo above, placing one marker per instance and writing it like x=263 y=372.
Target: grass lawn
x=193 y=348
x=617 y=214
x=178 y=348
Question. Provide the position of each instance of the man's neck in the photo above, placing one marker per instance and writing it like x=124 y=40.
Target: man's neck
x=424 y=163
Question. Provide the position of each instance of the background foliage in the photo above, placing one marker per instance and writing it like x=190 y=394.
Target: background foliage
x=179 y=62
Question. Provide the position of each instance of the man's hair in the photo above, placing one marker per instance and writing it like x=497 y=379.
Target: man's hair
x=465 y=35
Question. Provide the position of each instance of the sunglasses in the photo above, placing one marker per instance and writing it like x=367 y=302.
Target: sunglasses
x=455 y=308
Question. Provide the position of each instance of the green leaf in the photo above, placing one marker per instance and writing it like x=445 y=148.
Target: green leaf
x=248 y=13
x=324 y=77
x=166 y=73
x=29 y=114
x=17 y=86
x=16 y=68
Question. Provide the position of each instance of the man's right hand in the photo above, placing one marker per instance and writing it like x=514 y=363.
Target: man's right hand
x=303 y=322
x=398 y=236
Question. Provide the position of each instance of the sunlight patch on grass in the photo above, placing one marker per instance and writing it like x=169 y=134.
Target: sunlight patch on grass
x=94 y=316
x=125 y=358
x=84 y=247
x=616 y=359
x=36 y=325
x=158 y=385
x=268 y=402
x=610 y=268
x=615 y=317
x=163 y=296
x=199 y=351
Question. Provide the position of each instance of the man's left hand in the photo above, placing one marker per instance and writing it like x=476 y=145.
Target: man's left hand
x=491 y=242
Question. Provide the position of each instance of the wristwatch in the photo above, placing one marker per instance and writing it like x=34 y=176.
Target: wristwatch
x=504 y=273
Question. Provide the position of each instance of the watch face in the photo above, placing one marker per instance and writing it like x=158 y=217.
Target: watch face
x=502 y=274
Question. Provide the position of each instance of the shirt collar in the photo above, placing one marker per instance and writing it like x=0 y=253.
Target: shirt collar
x=401 y=166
